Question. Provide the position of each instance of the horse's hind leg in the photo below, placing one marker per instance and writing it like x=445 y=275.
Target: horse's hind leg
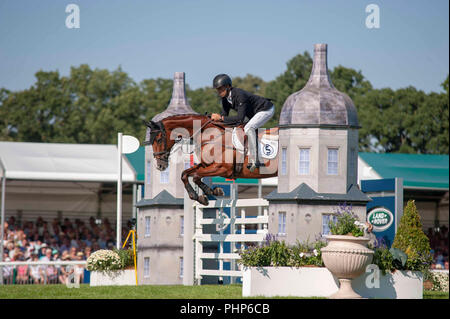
x=211 y=170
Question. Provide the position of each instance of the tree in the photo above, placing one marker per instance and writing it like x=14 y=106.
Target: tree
x=350 y=81
x=92 y=105
x=88 y=106
x=411 y=239
x=292 y=80
x=406 y=121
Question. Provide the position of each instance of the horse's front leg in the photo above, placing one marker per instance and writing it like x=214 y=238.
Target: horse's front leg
x=210 y=170
x=185 y=178
x=217 y=191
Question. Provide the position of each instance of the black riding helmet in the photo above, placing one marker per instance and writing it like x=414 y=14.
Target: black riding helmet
x=221 y=80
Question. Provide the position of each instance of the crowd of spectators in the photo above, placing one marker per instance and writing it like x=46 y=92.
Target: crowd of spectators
x=439 y=247
x=59 y=240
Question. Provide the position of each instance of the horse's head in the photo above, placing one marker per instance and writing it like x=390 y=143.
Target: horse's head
x=160 y=144
x=162 y=139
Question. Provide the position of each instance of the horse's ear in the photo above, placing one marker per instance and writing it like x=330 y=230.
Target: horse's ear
x=151 y=124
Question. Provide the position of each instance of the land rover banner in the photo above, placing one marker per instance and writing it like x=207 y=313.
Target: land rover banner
x=386 y=207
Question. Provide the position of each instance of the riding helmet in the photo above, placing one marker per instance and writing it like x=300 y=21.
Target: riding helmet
x=221 y=80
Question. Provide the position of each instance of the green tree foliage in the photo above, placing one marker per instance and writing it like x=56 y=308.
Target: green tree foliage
x=91 y=106
x=292 y=80
x=204 y=100
x=404 y=121
x=88 y=106
x=412 y=240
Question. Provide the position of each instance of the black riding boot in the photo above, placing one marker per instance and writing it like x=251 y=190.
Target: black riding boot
x=253 y=158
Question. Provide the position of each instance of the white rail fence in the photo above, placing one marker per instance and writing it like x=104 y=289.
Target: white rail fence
x=242 y=217
x=41 y=272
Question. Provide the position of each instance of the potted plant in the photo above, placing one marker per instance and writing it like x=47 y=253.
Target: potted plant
x=276 y=269
x=407 y=263
x=111 y=267
x=346 y=255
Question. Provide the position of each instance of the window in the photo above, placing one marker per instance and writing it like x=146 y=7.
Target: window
x=332 y=161
x=282 y=223
x=149 y=171
x=284 y=161
x=181 y=267
x=147 y=226
x=164 y=177
x=146 y=267
x=303 y=164
x=182 y=225
x=325 y=221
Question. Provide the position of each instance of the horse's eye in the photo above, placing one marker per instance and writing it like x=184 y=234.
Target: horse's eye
x=178 y=138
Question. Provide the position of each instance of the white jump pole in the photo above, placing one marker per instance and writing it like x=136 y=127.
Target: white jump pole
x=119 y=192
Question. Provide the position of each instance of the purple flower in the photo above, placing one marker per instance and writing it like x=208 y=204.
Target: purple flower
x=269 y=239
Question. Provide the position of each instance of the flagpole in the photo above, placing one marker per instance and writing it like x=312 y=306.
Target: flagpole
x=119 y=191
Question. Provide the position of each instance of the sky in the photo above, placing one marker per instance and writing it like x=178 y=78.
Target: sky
x=156 y=38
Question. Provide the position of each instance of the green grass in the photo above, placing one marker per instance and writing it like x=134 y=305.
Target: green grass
x=435 y=295
x=138 y=292
x=121 y=292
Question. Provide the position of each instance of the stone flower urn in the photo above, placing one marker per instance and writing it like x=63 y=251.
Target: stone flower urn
x=346 y=257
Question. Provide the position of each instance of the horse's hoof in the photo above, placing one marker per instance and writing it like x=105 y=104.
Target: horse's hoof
x=218 y=191
x=202 y=199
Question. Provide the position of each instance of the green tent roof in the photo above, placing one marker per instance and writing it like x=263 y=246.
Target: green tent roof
x=417 y=170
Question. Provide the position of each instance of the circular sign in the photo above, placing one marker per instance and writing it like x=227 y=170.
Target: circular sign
x=380 y=218
x=268 y=149
x=130 y=144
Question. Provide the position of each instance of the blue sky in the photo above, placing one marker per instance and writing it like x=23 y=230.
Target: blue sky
x=155 y=38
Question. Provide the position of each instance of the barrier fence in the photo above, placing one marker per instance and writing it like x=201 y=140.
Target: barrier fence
x=43 y=272
x=245 y=226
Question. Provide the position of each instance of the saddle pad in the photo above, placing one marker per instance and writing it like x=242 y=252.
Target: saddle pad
x=268 y=148
x=268 y=145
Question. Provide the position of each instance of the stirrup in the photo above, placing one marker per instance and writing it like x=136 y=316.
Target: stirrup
x=253 y=165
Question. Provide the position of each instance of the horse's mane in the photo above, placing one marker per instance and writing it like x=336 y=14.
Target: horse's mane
x=185 y=116
x=203 y=118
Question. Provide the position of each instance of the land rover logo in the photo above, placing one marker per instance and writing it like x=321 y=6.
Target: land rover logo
x=380 y=218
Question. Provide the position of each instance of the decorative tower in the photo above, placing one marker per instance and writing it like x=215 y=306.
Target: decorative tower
x=318 y=134
x=160 y=220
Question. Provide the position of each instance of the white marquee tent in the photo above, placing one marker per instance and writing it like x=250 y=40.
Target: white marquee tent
x=57 y=180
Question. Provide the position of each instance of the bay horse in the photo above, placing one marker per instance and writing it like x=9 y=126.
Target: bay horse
x=213 y=146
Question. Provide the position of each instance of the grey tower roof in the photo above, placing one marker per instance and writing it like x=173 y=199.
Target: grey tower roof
x=318 y=104
x=164 y=198
x=178 y=104
x=305 y=194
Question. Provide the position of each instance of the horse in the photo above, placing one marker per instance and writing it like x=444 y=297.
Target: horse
x=212 y=141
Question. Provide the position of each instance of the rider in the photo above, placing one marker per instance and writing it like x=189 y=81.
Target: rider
x=258 y=110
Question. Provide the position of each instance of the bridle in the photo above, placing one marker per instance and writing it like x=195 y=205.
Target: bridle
x=163 y=155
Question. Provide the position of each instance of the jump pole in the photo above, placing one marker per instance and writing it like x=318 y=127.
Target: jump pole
x=119 y=191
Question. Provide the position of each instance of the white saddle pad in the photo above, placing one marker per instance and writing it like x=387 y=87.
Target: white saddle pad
x=268 y=145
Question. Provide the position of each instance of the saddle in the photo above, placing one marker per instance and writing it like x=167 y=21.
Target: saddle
x=267 y=141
